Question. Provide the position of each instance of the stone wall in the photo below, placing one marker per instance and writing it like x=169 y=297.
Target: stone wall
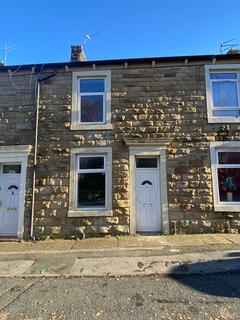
x=162 y=101
x=17 y=122
x=170 y=103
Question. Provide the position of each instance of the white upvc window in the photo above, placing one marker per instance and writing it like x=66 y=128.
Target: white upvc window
x=91 y=100
x=90 y=182
x=223 y=93
x=225 y=162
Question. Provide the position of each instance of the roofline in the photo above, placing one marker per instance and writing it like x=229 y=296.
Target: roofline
x=55 y=65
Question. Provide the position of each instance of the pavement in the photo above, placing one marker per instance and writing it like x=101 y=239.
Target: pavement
x=122 y=256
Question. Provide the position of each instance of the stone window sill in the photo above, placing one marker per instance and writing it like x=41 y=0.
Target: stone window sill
x=227 y=207
x=223 y=120
x=91 y=126
x=99 y=213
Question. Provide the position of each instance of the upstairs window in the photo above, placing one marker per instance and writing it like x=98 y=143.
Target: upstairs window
x=223 y=99
x=91 y=100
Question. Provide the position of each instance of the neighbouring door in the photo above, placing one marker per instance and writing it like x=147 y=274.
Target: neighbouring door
x=9 y=199
x=147 y=206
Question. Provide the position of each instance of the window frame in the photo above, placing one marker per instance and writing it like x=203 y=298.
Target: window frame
x=221 y=68
x=84 y=94
x=76 y=123
x=215 y=148
x=78 y=170
x=147 y=168
x=76 y=154
x=12 y=163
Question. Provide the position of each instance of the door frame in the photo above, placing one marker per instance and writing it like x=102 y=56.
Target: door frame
x=160 y=153
x=18 y=154
x=154 y=171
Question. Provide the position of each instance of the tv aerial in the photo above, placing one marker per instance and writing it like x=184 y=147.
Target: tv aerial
x=87 y=38
x=6 y=50
x=227 y=45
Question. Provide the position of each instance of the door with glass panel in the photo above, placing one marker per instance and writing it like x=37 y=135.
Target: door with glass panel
x=9 y=198
x=147 y=191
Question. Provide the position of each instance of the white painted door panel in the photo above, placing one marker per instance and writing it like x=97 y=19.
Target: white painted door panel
x=9 y=204
x=147 y=201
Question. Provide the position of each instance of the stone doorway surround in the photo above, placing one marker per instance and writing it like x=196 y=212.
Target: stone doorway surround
x=19 y=154
x=149 y=147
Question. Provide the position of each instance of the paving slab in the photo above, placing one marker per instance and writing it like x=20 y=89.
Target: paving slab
x=119 y=243
x=154 y=241
x=131 y=242
x=176 y=264
x=15 y=246
x=59 y=244
x=209 y=239
x=234 y=238
x=184 y=240
x=221 y=239
x=96 y=243
x=14 y=268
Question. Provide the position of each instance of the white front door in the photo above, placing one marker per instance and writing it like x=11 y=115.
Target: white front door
x=147 y=206
x=9 y=199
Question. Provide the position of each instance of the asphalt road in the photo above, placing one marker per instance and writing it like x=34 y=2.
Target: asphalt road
x=210 y=297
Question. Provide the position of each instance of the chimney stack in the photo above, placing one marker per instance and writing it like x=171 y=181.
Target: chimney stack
x=77 y=53
x=233 y=51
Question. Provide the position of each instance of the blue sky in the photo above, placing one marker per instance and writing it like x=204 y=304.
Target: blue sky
x=43 y=30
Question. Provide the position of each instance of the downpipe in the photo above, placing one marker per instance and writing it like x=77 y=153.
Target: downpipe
x=35 y=151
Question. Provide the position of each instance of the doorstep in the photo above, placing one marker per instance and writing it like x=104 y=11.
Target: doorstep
x=9 y=239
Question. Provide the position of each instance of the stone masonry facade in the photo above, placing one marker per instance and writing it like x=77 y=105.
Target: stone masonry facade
x=162 y=100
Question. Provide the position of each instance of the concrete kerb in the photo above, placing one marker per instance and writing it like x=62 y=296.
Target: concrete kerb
x=139 y=250
x=166 y=274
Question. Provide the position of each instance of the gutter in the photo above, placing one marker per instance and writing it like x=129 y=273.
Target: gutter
x=207 y=58
x=35 y=150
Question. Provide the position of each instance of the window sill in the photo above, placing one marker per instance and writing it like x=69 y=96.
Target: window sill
x=223 y=120
x=107 y=126
x=99 y=213
x=227 y=207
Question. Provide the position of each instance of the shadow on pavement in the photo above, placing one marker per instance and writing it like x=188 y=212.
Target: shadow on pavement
x=233 y=254
x=218 y=278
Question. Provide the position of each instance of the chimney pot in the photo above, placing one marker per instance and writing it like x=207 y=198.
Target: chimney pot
x=77 y=53
x=233 y=51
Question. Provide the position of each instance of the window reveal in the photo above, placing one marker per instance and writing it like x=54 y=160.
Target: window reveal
x=91 y=182
x=225 y=100
x=223 y=93
x=228 y=173
x=92 y=100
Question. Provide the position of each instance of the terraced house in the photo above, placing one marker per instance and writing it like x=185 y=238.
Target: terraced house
x=125 y=146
